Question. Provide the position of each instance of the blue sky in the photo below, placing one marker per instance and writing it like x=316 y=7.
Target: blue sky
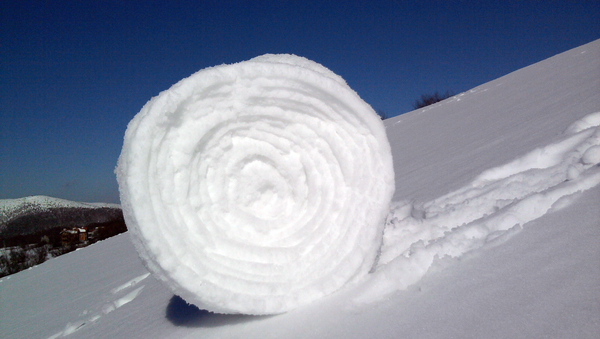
x=73 y=73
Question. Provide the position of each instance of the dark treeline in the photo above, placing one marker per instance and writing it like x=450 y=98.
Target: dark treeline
x=20 y=252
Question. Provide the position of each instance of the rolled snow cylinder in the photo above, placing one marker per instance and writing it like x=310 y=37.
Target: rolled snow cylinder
x=256 y=187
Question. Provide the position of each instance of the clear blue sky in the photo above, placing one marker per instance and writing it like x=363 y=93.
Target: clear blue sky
x=73 y=73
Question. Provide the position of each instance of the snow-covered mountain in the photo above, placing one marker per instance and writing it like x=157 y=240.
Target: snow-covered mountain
x=36 y=213
x=494 y=235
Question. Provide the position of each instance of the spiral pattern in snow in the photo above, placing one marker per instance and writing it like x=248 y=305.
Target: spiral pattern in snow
x=257 y=187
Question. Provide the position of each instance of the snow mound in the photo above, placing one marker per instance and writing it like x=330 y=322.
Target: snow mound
x=590 y=120
x=257 y=187
x=489 y=210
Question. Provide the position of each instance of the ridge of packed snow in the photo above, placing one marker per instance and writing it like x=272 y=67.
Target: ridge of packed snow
x=498 y=202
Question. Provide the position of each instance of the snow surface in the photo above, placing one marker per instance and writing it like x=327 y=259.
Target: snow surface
x=523 y=254
x=257 y=187
x=493 y=206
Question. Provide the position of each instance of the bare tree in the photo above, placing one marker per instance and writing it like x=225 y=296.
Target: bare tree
x=382 y=114
x=429 y=99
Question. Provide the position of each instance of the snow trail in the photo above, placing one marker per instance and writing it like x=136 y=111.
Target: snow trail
x=130 y=283
x=490 y=209
x=118 y=297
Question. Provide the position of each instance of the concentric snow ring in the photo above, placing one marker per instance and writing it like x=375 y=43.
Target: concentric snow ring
x=257 y=187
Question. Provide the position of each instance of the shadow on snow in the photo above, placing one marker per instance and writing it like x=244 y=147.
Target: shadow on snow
x=180 y=313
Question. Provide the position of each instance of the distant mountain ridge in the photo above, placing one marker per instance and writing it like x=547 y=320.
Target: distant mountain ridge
x=37 y=213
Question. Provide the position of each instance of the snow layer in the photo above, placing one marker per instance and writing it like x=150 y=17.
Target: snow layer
x=257 y=187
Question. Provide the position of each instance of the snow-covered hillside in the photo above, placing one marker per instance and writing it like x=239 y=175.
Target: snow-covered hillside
x=13 y=208
x=38 y=213
x=495 y=234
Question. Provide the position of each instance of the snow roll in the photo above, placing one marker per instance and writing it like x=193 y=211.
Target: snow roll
x=257 y=187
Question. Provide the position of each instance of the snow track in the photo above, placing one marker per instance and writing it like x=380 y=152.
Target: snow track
x=493 y=206
x=117 y=298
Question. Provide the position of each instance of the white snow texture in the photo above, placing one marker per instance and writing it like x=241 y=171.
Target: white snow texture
x=257 y=187
x=488 y=210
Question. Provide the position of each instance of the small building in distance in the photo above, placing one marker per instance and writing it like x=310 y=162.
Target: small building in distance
x=73 y=236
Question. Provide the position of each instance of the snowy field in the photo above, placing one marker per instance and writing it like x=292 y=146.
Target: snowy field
x=494 y=234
